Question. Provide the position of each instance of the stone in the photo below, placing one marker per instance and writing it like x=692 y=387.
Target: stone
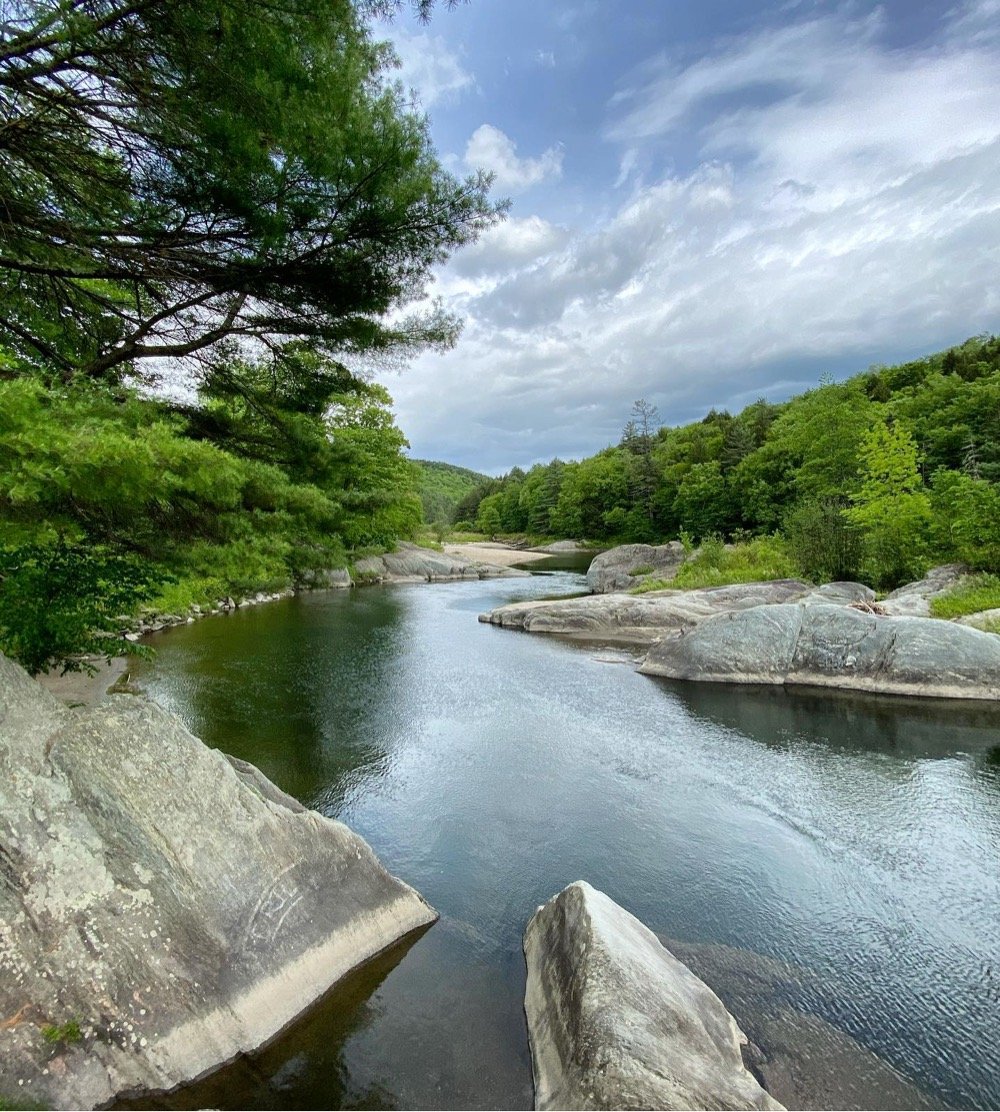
x=825 y=645
x=173 y=903
x=628 y=565
x=914 y=599
x=412 y=564
x=327 y=578
x=616 y=1021
x=639 y=620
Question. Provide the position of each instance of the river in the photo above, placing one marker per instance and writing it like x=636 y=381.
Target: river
x=847 y=848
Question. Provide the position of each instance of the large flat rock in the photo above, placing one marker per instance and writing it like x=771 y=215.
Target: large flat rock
x=175 y=906
x=833 y=646
x=616 y=1021
x=639 y=620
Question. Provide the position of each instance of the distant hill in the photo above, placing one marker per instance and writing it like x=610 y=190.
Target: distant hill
x=443 y=485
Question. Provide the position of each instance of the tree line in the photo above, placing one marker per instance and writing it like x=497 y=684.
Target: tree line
x=875 y=478
x=214 y=213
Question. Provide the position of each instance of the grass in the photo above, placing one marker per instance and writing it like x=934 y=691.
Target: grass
x=968 y=596
x=717 y=565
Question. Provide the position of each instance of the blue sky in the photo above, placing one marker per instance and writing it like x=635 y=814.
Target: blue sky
x=711 y=201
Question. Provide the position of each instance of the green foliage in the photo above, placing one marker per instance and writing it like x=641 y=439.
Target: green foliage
x=181 y=171
x=62 y=600
x=841 y=471
x=65 y=1033
x=716 y=563
x=968 y=596
x=442 y=486
x=891 y=509
x=822 y=542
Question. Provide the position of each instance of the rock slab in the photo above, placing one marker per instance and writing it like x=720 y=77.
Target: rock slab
x=162 y=909
x=616 y=1021
x=826 y=645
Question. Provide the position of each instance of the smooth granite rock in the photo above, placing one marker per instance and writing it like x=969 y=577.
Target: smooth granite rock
x=412 y=564
x=639 y=620
x=914 y=599
x=628 y=565
x=833 y=646
x=170 y=903
x=616 y=1021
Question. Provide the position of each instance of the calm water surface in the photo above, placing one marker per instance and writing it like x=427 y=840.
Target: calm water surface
x=856 y=840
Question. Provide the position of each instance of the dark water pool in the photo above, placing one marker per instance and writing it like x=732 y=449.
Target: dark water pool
x=855 y=842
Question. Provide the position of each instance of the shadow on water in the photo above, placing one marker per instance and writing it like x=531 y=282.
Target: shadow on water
x=780 y=717
x=307 y=1058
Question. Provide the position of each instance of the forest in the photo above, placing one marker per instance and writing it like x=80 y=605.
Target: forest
x=217 y=218
x=875 y=478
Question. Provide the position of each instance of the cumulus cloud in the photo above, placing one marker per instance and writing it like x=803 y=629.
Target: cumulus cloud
x=429 y=67
x=489 y=148
x=843 y=202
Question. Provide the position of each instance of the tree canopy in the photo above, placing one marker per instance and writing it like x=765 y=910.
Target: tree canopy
x=176 y=173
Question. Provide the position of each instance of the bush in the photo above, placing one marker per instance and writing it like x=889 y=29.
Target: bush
x=821 y=541
x=716 y=564
x=62 y=601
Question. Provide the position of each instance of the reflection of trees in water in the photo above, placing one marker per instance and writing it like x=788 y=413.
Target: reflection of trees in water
x=297 y=688
x=909 y=728
x=305 y=1067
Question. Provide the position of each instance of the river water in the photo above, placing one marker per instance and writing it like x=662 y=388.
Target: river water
x=845 y=851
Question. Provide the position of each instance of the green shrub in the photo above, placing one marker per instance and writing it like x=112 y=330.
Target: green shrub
x=716 y=564
x=58 y=602
x=65 y=1033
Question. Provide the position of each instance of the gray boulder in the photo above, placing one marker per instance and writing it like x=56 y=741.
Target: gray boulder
x=412 y=564
x=639 y=620
x=616 y=1021
x=628 y=565
x=833 y=646
x=914 y=599
x=162 y=909
x=327 y=578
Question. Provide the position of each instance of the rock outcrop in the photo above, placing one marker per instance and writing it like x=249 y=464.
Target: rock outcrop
x=914 y=599
x=639 y=620
x=628 y=565
x=833 y=646
x=162 y=908
x=412 y=564
x=616 y=1021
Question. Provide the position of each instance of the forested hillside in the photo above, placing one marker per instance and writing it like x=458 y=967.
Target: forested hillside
x=227 y=203
x=442 y=486
x=875 y=477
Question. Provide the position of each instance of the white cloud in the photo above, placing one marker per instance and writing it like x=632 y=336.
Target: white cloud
x=429 y=67
x=850 y=207
x=489 y=148
x=545 y=58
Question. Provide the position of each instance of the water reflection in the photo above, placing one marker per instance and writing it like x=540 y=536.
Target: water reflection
x=855 y=839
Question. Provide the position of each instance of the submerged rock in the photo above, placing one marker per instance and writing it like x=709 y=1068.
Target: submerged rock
x=628 y=565
x=162 y=908
x=616 y=1021
x=412 y=564
x=833 y=646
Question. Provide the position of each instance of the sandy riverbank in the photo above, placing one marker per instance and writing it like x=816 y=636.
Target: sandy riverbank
x=493 y=552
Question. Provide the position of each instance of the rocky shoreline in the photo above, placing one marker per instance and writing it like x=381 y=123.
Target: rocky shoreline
x=162 y=908
x=779 y=632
